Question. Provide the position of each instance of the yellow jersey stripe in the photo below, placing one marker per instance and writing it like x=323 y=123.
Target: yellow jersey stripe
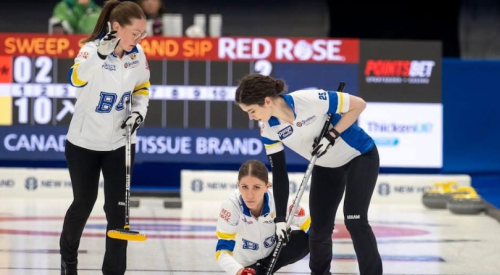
x=271 y=145
x=74 y=77
x=141 y=92
x=225 y=236
x=341 y=101
x=306 y=224
x=142 y=86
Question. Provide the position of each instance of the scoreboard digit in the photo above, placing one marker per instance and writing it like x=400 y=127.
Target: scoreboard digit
x=33 y=70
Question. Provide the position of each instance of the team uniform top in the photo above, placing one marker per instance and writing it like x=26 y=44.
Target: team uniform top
x=103 y=88
x=310 y=109
x=244 y=239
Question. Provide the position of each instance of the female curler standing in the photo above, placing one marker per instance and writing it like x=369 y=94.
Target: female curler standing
x=110 y=69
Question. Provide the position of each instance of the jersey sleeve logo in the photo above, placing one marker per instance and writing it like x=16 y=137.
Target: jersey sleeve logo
x=225 y=215
x=83 y=55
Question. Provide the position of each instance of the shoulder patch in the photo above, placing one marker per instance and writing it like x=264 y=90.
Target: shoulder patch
x=225 y=215
x=83 y=54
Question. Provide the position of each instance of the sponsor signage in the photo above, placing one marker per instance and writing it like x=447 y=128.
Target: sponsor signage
x=402 y=71
x=153 y=144
x=406 y=134
x=207 y=186
x=278 y=49
x=37 y=183
x=390 y=188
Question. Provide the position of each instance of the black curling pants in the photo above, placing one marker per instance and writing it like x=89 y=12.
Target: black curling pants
x=84 y=168
x=296 y=249
x=358 y=179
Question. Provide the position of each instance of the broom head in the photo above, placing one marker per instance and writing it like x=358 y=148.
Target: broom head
x=127 y=235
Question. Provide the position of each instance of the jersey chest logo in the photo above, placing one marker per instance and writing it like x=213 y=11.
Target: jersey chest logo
x=286 y=132
x=109 y=67
x=131 y=64
x=306 y=121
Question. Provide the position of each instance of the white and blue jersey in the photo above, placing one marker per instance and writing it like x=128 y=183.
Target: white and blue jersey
x=244 y=239
x=311 y=108
x=103 y=87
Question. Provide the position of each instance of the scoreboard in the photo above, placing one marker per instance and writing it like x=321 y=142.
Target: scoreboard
x=193 y=80
x=40 y=93
x=193 y=83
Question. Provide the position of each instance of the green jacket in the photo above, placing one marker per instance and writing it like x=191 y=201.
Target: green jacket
x=77 y=18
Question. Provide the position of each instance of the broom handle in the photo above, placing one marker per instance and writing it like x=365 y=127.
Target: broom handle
x=127 y=167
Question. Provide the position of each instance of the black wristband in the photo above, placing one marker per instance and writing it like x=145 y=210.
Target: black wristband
x=279 y=219
x=330 y=138
x=335 y=132
x=103 y=57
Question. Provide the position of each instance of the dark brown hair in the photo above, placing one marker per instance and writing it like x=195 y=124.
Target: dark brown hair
x=254 y=88
x=115 y=11
x=254 y=168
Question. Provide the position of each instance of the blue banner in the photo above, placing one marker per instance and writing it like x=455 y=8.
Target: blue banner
x=153 y=145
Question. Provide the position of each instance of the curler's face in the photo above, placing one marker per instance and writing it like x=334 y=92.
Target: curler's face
x=258 y=112
x=252 y=190
x=132 y=34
